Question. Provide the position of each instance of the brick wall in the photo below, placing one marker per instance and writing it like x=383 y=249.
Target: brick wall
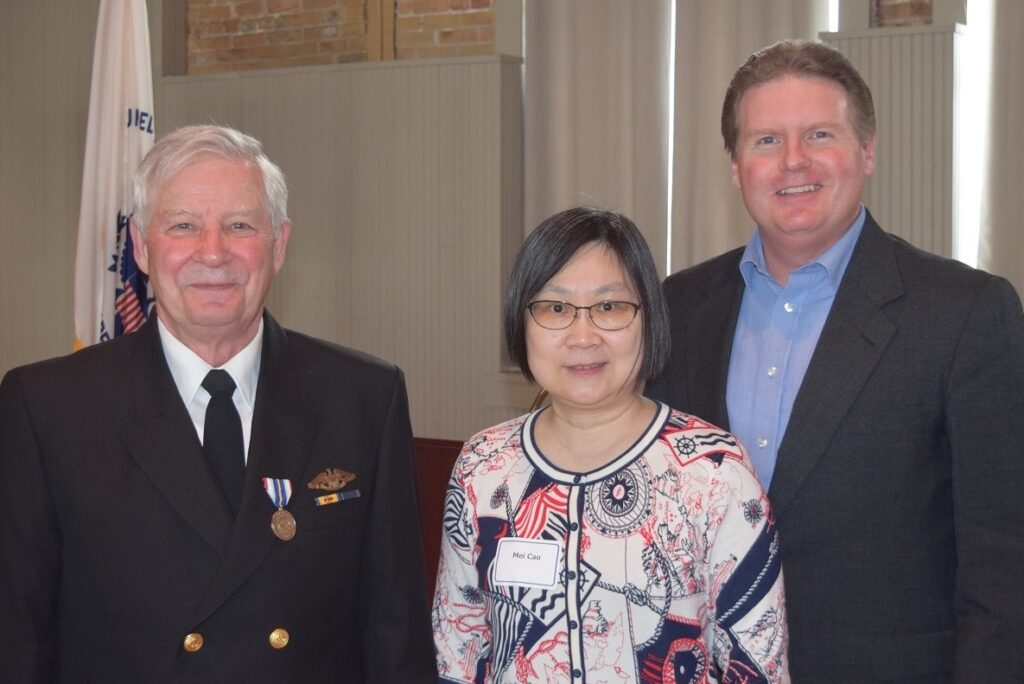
x=236 y=35
x=443 y=28
x=885 y=13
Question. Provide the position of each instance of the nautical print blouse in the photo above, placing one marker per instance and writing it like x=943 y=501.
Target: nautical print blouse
x=661 y=566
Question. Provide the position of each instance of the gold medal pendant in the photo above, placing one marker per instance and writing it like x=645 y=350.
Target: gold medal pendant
x=283 y=524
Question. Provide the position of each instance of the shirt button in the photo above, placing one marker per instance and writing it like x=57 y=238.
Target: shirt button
x=577 y=673
x=576 y=478
x=573 y=624
x=772 y=371
x=762 y=442
x=571 y=575
x=574 y=526
x=788 y=307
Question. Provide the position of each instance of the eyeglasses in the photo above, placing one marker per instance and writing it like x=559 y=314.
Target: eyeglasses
x=605 y=315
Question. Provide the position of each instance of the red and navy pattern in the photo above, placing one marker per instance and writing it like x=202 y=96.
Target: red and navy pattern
x=670 y=570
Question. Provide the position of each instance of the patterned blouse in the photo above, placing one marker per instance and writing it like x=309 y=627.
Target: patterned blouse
x=661 y=566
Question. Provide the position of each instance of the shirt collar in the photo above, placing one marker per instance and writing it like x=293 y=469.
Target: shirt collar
x=833 y=261
x=189 y=370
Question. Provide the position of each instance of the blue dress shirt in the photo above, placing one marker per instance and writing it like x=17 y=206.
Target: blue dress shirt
x=776 y=333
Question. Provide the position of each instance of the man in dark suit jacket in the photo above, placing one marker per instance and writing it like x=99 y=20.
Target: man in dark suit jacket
x=126 y=553
x=881 y=389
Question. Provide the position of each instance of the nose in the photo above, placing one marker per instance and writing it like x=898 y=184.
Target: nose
x=212 y=245
x=794 y=155
x=582 y=331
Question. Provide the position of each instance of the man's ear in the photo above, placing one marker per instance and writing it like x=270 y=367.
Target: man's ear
x=281 y=244
x=139 y=248
x=868 y=150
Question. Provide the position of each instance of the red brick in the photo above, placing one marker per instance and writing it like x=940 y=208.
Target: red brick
x=285 y=37
x=415 y=39
x=441 y=21
x=320 y=33
x=202 y=14
x=472 y=50
x=281 y=6
x=456 y=36
x=249 y=9
x=244 y=40
x=212 y=43
x=405 y=24
x=349 y=58
x=484 y=18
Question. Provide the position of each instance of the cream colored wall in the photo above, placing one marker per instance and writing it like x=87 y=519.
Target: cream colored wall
x=405 y=185
x=45 y=67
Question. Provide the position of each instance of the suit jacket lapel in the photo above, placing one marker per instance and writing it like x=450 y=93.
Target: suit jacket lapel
x=280 y=447
x=852 y=341
x=163 y=441
x=708 y=343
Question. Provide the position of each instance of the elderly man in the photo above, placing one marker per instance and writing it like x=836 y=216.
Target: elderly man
x=878 y=388
x=214 y=498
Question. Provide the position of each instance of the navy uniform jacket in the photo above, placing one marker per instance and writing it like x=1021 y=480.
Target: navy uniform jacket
x=115 y=543
x=898 y=482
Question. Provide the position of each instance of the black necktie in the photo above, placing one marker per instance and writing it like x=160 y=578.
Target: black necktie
x=222 y=437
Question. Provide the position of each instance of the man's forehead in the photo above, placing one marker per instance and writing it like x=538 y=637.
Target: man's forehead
x=196 y=164
x=833 y=93
x=213 y=177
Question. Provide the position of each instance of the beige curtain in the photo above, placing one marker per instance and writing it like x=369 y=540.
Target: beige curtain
x=1002 y=202
x=596 y=110
x=597 y=92
x=712 y=39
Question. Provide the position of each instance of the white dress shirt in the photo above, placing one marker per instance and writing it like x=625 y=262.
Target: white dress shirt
x=189 y=370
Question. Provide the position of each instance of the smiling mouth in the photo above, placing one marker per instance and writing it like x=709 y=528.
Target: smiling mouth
x=800 y=189
x=586 y=366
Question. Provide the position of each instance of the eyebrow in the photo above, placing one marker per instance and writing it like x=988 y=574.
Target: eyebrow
x=174 y=214
x=757 y=132
x=600 y=290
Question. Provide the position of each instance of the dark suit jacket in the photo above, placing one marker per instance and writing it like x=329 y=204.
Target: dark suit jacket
x=897 y=482
x=116 y=542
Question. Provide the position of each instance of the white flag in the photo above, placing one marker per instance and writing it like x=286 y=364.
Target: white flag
x=110 y=292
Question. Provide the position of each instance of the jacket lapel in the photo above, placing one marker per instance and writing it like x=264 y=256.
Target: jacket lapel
x=852 y=341
x=163 y=442
x=280 y=447
x=708 y=344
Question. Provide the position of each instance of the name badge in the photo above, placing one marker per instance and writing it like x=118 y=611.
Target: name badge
x=529 y=562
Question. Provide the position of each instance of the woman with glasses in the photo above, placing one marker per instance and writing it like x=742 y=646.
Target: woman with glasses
x=605 y=537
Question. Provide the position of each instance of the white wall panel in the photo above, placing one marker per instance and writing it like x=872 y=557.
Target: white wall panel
x=405 y=182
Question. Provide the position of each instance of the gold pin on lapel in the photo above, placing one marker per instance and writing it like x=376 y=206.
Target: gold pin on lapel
x=331 y=479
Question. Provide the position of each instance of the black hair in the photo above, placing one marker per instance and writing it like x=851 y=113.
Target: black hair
x=550 y=246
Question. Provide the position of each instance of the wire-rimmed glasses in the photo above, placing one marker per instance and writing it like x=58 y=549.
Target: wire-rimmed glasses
x=606 y=315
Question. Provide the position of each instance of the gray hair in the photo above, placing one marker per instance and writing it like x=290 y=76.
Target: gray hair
x=189 y=144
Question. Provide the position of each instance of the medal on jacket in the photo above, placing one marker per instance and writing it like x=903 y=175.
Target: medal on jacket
x=282 y=522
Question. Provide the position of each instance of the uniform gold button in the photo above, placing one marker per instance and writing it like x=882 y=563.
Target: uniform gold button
x=279 y=638
x=193 y=642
